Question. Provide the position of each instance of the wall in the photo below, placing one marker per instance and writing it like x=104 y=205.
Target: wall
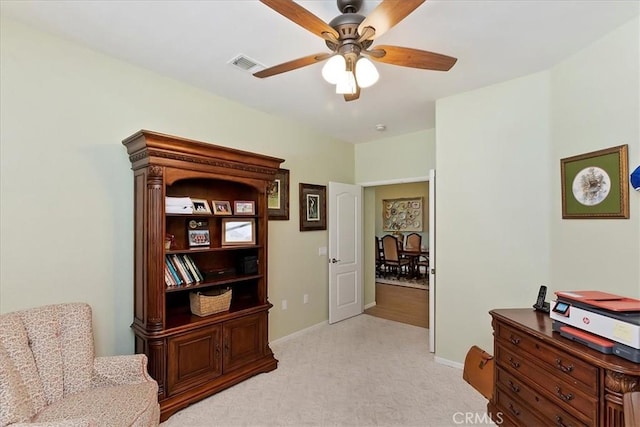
x=589 y=113
x=500 y=232
x=67 y=187
x=492 y=209
x=395 y=160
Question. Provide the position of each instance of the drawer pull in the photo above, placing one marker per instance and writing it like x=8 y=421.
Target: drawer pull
x=559 y=422
x=513 y=410
x=514 y=363
x=562 y=367
x=514 y=387
x=514 y=340
x=565 y=397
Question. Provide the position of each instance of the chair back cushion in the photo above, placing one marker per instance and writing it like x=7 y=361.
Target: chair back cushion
x=390 y=247
x=62 y=344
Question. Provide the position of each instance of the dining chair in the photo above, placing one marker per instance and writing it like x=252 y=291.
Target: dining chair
x=423 y=261
x=380 y=266
x=413 y=242
x=392 y=258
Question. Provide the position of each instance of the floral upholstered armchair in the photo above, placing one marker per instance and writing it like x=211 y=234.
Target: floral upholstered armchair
x=49 y=375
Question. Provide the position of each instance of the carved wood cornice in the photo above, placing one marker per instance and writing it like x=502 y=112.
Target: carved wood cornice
x=200 y=160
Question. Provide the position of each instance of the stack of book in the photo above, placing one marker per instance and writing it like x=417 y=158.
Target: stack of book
x=180 y=270
x=178 y=205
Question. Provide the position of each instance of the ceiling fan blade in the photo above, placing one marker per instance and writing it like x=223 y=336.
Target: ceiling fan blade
x=413 y=58
x=292 y=65
x=301 y=16
x=386 y=15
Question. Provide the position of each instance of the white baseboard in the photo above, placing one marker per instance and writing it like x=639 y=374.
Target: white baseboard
x=447 y=362
x=299 y=333
x=373 y=304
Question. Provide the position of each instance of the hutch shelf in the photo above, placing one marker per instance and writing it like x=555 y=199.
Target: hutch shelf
x=190 y=356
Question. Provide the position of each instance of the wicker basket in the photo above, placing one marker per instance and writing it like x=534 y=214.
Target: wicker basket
x=210 y=302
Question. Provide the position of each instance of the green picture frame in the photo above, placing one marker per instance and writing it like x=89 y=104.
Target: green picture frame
x=595 y=185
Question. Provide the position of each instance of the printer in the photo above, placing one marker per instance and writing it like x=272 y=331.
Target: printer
x=606 y=322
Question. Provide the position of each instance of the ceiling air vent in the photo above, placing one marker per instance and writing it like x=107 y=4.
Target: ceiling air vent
x=246 y=64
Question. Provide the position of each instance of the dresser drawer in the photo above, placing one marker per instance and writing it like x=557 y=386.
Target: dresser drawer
x=554 y=409
x=567 y=367
x=515 y=409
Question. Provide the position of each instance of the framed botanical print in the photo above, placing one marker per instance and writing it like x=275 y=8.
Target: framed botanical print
x=595 y=185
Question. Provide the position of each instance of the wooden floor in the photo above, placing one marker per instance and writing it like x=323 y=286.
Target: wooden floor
x=401 y=304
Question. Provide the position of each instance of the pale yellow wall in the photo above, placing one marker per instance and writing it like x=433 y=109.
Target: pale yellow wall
x=499 y=228
x=591 y=112
x=397 y=159
x=492 y=209
x=66 y=183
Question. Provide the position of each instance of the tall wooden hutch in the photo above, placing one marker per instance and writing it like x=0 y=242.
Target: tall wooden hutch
x=192 y=357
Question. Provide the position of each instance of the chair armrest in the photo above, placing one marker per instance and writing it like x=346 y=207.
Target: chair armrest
x=116 y=370
x=72 y=422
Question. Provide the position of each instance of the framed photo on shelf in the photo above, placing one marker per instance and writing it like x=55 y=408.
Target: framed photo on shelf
x=313 y=207
x=238 y=231
x=200 y=206
x=199 y=238
x=595 y=185
x=278 y=196
x=244 y=207
x=221 y=207
x=198 y=233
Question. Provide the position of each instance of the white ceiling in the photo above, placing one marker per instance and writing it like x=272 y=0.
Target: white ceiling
x=193 y=41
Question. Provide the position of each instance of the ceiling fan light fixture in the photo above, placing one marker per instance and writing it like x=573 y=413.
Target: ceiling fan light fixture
x=366 y=73
x=334 y=69
x=347 y=84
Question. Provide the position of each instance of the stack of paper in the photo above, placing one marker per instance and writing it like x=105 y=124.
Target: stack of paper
x=178 y=205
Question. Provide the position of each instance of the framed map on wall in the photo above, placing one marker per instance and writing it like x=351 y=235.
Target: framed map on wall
x=400 y=215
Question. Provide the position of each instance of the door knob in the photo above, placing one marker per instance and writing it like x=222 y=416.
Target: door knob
x=333 y=260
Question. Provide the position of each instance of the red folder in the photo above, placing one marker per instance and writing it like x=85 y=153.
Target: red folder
x=602 y=300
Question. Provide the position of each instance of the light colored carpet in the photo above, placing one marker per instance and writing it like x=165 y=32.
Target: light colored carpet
x=364 y=371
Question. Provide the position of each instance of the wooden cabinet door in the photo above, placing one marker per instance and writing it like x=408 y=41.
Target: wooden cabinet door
x=243 y=341
x=194 y=358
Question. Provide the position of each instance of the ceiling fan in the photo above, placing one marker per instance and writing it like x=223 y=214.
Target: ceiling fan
x=349 y=36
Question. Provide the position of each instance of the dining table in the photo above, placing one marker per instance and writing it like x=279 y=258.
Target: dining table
x=414 y=256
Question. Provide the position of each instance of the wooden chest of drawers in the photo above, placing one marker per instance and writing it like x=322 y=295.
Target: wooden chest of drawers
x=544 y=379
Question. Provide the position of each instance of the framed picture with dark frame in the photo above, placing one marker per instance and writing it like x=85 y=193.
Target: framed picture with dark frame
x=278 y=196
x=238 y=231
x=595 y=185
x=313 y=207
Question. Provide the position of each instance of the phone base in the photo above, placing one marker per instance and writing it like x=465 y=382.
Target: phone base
x=545 y=308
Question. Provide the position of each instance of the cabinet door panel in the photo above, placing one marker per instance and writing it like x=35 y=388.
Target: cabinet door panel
x=243 y=341
x=194 y=358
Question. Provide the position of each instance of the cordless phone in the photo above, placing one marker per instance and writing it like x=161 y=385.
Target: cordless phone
x=540 y=305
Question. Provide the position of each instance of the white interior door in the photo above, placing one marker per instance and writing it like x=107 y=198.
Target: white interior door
x=344 y=221
x=432 y=261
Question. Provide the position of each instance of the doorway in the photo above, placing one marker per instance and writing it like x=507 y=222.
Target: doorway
x=387 y=297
